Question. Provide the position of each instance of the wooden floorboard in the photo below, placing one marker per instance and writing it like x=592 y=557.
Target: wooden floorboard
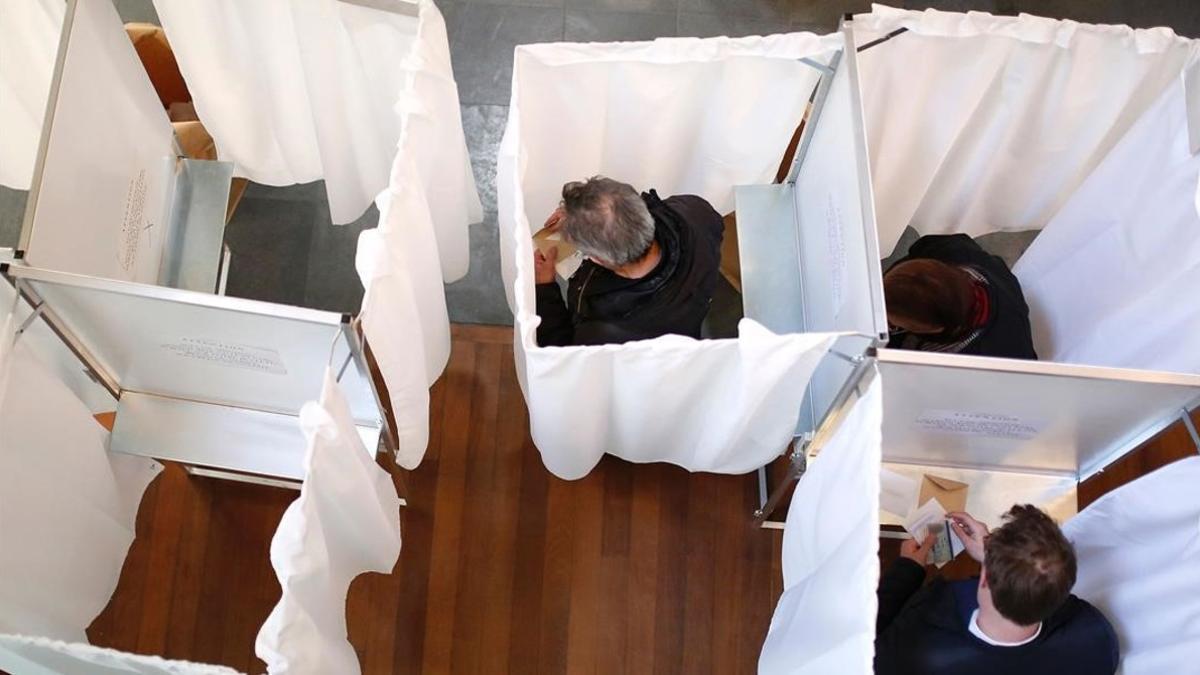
x=504 y=568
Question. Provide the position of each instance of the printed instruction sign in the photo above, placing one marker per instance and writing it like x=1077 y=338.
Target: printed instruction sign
x=990 y=425
x=836 y=251
x=233 y=355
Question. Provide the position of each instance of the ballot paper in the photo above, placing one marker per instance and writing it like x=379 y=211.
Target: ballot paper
x=930 y=518
x=897 y=492
x=569 y=257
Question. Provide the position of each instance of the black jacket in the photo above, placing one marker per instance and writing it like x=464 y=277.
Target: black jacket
x=603 y=307
x=923 y=631
x=1007 y=332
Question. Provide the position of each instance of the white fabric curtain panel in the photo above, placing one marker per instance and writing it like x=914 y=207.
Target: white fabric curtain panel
x=345 y=522
x=1111 y=279
x=421 y=240
x=825 y=619
x=29 y=33
x=299 y=90
x=1139 y=562
x=979 y=123
x=723 y=112
x=67 y=506
x=23 y=655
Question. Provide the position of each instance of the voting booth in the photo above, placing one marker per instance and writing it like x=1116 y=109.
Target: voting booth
x=113 y=303
x=121 y=254
x=1115 y=198
x=724 y=111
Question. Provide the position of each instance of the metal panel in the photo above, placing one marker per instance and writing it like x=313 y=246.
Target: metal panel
x=1021 y=416
x=102 y=183
x=195 y=232
x=816 y=268
x=201 y=347
x=839 y=257
x=768 y=249
x=215 y=436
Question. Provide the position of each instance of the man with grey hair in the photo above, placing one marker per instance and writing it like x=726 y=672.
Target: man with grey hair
x=651 y=266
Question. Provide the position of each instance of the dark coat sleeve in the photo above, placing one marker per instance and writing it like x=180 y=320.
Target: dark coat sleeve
x=901 y=581
x=557 y=329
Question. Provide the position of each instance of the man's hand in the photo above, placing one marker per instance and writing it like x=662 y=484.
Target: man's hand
x=543 y=265
x=972 y=533
x=554 y=222
x=917 y=552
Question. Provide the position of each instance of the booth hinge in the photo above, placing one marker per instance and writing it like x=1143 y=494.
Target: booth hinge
x=817 y=65
x=853 y=360
x=799 y=464
x=800 y=444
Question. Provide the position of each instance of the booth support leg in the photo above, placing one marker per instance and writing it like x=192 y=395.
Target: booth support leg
x=762 y=489
x=855 y=385
x=1186 y=415
x=795 y=469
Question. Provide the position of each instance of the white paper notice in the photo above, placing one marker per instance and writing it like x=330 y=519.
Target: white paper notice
x=978 y=424
x=930 y=513
x=930 y=518
x=836 y=251
x=897 y=492
x=216 y=352
x=566 y=267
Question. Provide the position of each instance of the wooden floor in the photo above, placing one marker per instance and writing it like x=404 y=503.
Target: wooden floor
x=504 y=568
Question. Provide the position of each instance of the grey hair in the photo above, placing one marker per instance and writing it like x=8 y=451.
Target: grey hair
x=607 y=220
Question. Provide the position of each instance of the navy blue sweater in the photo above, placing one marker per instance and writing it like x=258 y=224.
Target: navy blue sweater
x=923 y=631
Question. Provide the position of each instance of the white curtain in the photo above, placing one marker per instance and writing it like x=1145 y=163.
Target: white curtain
x=67 y=507
x=29 y=32
x=979 y=123
x=681 y=116
x=22 y=655
x=1111 y=279
x=1139 y=562
x=297 y=90
x=825 y=620
x=345 y=522
x=421 y=239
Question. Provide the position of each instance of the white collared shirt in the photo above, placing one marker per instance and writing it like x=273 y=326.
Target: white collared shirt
x=973 y=626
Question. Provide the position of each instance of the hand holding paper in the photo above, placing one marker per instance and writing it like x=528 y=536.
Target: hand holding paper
x=930 y=519
x=543 y=264
x=918 y=552
x=567 y=257
x=970 y=531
